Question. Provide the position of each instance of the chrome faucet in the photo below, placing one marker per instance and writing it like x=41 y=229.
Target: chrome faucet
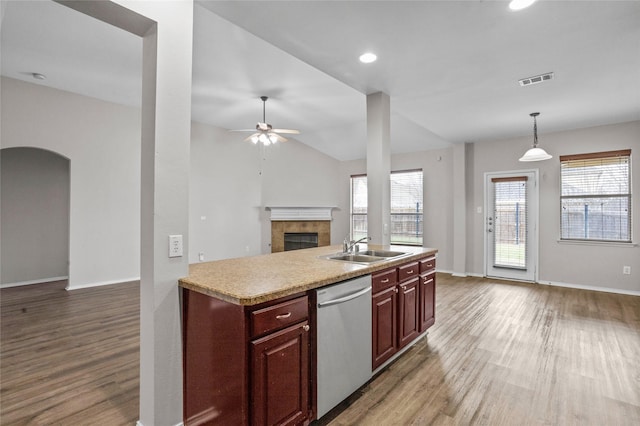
x=347 y=247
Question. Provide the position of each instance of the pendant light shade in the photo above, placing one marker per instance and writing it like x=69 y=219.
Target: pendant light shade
x=535 y=153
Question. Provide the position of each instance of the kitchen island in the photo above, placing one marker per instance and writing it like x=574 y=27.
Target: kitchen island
x=249 y=328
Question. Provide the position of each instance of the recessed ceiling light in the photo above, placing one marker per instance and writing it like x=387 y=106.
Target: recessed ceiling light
x=520 y=4
x=38 y=76
x=367 y=58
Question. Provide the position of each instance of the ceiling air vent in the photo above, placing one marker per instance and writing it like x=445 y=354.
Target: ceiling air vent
x=536 y=79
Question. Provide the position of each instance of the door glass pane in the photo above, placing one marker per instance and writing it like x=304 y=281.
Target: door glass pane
x=510 y=223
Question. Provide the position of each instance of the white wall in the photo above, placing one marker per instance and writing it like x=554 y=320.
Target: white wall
x=231 y=181
x=437 y=169
x=596 y=266
x=102 y=142
x=224 y=195
x=35 y=216
x=295 y=175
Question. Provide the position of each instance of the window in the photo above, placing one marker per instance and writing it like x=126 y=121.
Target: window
x=595 y=199
x=407 y=209
x=358 y=206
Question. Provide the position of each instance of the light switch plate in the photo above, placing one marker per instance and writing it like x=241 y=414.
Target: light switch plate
x=175 y=245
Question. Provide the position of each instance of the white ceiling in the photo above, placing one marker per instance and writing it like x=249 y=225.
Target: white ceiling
x=451 y=68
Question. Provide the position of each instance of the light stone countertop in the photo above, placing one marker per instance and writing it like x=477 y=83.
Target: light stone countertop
x=257 y=279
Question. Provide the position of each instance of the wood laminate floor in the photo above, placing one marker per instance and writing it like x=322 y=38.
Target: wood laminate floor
x=500 y=353
x=69 y=358
x=503 y=353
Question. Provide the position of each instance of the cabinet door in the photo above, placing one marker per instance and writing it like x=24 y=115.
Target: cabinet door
x=384 y=318
x=280 y=377
x=409 y=314
x=427 y=300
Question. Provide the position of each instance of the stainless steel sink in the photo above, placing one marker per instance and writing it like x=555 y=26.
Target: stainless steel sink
x=356 y=258
x=382 y=253
x=367 y=256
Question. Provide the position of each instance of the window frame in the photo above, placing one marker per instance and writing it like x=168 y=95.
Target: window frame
x=419 y=216
x=351 y=212
x=617 y=154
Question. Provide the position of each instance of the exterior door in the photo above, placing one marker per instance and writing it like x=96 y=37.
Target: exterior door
x=511 y=228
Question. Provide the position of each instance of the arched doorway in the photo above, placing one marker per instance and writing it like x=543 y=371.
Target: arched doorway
x=35 y=216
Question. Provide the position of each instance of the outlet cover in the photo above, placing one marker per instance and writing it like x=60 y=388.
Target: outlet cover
x=175 y=245
x=626 y=270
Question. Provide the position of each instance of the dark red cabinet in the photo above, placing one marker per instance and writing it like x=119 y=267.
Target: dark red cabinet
x=427 y=293
x=427 y=300
x=246 y=365
x=385 y=325
x=280 y=377
x=409 y=312
x=403 y=303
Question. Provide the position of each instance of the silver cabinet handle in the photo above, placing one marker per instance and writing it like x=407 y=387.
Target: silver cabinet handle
x=386 y=280
x=283 y=316
x=306 y=327
x=410 y=272
x=395 y=289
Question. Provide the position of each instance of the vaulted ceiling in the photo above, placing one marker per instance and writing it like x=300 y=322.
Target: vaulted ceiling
x=451 y=68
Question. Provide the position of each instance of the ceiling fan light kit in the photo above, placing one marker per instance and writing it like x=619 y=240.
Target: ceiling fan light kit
x=265 y=133
x=535 y=153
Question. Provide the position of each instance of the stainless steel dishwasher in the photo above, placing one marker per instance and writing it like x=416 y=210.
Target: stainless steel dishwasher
x=344 y=340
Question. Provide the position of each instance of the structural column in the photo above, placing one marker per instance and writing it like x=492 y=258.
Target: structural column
x=378 y=167
x=459 y=211
x=166 y=29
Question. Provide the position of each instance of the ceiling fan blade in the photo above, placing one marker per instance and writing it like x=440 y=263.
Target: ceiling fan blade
x=287 y=131
x=242 y=130
x=248 y=138
x=278 y=137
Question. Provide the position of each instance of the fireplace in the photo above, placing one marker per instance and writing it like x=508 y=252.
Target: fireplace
x=300 y=240
x=294 y=228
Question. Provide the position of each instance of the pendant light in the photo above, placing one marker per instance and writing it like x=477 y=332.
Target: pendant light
x=535 y=153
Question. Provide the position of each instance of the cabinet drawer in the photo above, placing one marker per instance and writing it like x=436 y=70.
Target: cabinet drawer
x=384 y=279
x=278 y=316
x=407 y=271
x=427 y=265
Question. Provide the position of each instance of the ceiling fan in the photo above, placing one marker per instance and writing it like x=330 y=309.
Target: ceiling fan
x=264 y=132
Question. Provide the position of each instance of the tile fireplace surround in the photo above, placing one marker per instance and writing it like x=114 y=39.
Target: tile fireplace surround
x=297 y=220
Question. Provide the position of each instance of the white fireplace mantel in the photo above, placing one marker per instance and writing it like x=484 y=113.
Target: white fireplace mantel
x=300 y=213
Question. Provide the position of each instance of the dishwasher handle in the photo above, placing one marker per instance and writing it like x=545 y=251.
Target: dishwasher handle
x=344 y=298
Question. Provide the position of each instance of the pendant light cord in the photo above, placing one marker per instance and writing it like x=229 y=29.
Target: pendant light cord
x=535 y=129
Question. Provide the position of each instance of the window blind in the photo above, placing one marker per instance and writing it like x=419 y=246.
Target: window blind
x=595 y=198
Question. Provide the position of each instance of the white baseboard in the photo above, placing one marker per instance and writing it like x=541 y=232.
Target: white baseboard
x=555 y=284
x=101 y=283
x=30 y=282
x=592 y=288
x=475 y=275
x=459 y=274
